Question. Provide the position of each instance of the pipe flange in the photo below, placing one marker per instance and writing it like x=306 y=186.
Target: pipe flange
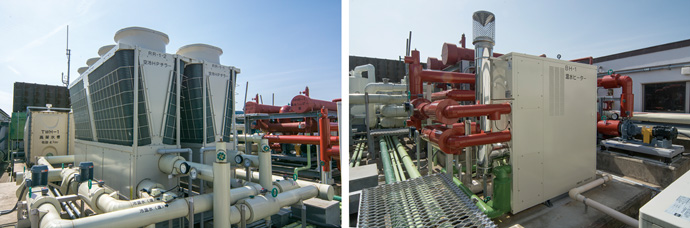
x=91 y=198
x=418 y=103
x=440 y=111
x=443 y=140
x=39 y=200
x=66 y=176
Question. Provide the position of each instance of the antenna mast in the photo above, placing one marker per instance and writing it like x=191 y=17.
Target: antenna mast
x=65 y=80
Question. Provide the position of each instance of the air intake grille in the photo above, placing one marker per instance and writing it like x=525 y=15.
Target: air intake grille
x=556 y=91
x=429 y=201
x=192 y=106
x=82 y=120
x=111 y=90
x=229 y=108
x=169 y=134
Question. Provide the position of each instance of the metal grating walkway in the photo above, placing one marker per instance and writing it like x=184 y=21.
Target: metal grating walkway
x=428 y=201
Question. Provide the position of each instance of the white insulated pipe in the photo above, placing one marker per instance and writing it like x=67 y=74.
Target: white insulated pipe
x=373 y=88
x=326 y=192
x=576 y=194
x=265 y=168
x=358 y=99
x=169 y=164
x=59 y=159
x=160 y=211
x=100 y=199
x=262 y=206
x=393 y=122
x=221 y=178
x=255 y=138
x=393 y=110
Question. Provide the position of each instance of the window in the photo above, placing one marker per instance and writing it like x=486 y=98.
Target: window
x=665 y=97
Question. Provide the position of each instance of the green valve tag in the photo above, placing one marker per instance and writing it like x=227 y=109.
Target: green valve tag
x=610 y=71
x=294 y=177
x=266 y=148
x=89 y=184
x=274 y=192
x=221 y=156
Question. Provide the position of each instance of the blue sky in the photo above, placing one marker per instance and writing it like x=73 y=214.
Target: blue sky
x=573 y=29
x=280 y=46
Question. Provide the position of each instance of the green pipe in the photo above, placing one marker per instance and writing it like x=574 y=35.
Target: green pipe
x=407 y=161
x=359 y=156
x=354 y=156
x=386 y=160
x=484 y=207
x=396 y=160
x=338 y=198
x=308 y=166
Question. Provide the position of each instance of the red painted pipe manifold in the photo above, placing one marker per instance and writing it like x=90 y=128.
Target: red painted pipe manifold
x=453 y=140
x=253 y=107
x=302 y=104
x=627 y=97
x=419 y=75
x=448 y=111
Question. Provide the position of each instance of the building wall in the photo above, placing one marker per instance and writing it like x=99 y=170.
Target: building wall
x=661 y=58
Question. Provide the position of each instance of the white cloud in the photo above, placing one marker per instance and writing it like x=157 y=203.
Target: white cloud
x=14 y=70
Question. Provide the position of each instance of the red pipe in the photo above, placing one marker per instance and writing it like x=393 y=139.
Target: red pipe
x=456 y=95
x=306 y=126
x=452 y=54
x=276 y=147
x=434 y=64
x=419 y=75
x=455 y=143
x=590 y=60
x=302 y=104
x=627 y=97
x=324 y=140
x=434 y=132
x=609 y=128
x=494 y=111
x=298 y=139
x=285 y=109
x=253 y=107
x=448 y=111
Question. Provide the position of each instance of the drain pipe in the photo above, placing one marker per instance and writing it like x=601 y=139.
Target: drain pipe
x=221 y=177
x=576 y=194
x=407 y=161
x=308 y=166
x=386 y=160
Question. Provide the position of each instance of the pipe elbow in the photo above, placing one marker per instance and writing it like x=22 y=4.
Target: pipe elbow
x=626 y=83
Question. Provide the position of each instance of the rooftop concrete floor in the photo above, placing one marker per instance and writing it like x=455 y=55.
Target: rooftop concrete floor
x=7 y=200
x=566 y=212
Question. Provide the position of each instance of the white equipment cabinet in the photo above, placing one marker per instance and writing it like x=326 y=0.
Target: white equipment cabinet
x=670 y=208
x=553 y=124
